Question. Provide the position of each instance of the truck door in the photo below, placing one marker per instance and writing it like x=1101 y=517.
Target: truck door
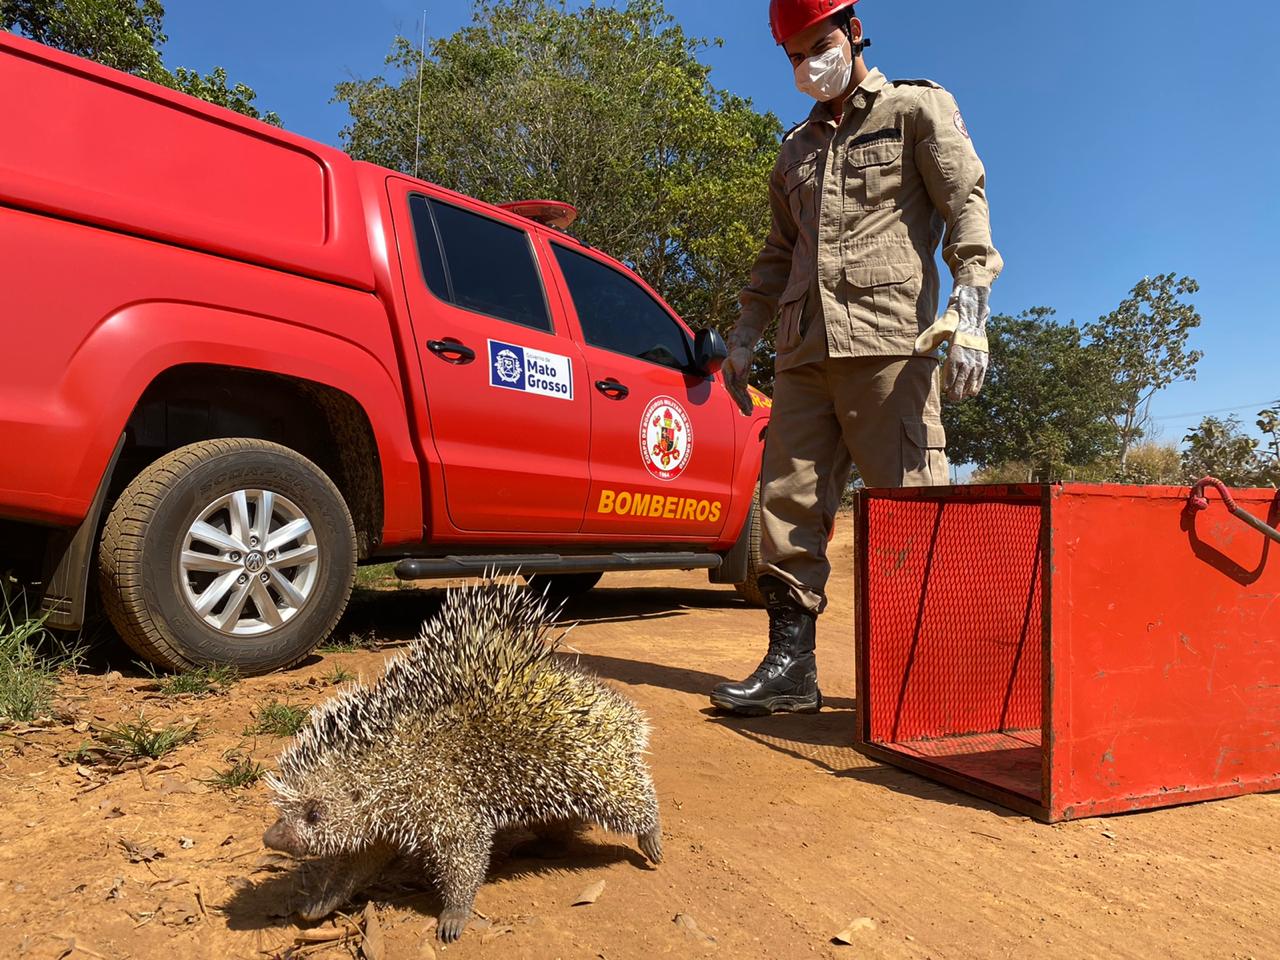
x=507 y=392
x=662 y=436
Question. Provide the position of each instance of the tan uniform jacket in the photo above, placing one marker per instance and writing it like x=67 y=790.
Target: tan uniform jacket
x=858 y=212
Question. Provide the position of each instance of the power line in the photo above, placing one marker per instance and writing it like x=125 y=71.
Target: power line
x=1208 y=413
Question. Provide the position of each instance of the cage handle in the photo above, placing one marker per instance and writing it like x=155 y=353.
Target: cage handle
x=1199 y=502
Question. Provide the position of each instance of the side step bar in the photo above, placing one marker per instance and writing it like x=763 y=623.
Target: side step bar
x=508 y=564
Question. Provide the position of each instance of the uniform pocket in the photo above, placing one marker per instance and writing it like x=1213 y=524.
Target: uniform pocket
x=924 y=452
x=790 y=312
x=875 y=173
x=802 y=192
x=885 y=294
x=869 y=275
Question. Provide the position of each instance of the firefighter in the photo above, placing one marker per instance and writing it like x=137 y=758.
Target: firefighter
x=863 y=193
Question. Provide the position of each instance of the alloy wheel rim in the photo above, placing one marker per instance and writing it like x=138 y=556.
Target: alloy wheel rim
x=249 y=563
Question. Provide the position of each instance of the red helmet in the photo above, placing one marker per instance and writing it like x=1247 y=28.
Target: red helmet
x=789 y=17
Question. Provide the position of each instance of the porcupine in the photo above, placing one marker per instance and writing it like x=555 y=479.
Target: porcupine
x=479 y=727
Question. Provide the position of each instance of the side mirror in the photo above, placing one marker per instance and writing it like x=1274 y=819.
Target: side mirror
x=709 y=352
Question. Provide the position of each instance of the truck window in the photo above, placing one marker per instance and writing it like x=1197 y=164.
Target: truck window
x=479 y=264
x=618 y=315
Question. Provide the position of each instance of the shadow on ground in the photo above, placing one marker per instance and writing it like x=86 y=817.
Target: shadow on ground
x=268 y=898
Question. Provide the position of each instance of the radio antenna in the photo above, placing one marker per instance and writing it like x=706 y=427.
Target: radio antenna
x=422 y=56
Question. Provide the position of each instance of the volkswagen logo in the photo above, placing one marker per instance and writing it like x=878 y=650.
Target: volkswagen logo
x=255 y=562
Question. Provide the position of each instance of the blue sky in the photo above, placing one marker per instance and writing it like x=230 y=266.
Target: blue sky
x=1120 y=139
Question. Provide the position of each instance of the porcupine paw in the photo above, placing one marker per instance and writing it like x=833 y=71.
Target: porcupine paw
x=651 y=844
x=452 y=922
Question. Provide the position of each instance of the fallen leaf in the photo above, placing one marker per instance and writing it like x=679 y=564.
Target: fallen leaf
x=493 y=933
x=170 y=785
x=179 y=912
x=186 y=843
x=82 y=771
x=272 y=861
x=589 y=895
x=372 y=946
x=117 y=889
x=326 y=934
x=690 y=927
x=1108 y=834
x=80 y=726
x=70 y=946
x=846 y=935
x=140 y=853
x=227 y=842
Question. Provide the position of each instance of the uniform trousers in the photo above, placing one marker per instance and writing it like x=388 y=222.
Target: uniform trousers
x=880 y=414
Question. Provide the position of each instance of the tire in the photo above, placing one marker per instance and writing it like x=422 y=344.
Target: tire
x=749 y=589
x=562 y=587
x=168 y=547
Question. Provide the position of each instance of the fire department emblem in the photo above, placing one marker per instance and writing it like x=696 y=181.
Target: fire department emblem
x=666 y=438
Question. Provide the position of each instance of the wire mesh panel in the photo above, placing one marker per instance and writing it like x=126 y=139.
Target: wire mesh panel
x=953 y=634
x=1070 y=650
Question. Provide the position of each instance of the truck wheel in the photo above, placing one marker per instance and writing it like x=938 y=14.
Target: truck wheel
x=562 y=587
x=749 y=589
x=230 y=552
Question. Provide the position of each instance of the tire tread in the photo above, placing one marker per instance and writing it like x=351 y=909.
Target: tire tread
x=120 y=555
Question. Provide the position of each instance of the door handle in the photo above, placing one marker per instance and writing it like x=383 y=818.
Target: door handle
x=613 y=389
x=451 y=351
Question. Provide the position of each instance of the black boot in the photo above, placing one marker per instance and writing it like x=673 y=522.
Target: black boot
x=787 y=679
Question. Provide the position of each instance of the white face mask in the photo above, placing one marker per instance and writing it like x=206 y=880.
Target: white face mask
x=825 y=77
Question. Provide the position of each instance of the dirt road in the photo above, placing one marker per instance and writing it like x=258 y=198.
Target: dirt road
x=777 y=834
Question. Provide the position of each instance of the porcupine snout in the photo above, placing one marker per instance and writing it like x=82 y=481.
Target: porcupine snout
x=280 y=836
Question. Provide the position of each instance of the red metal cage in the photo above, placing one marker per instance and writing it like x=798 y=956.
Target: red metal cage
x=1072 y=650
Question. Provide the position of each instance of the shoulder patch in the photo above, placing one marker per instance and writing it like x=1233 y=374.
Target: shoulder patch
x=916 y=83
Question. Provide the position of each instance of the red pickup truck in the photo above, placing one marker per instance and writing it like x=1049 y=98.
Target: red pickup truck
x=237 y=363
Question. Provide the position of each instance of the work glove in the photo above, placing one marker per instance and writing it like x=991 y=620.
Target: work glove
x=964 y=328
x=736 y=370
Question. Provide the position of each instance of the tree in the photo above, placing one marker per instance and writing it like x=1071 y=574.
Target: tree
x=126 y=35
x=608 y=108
x=1269 y=424
x=1047 y=400
x=123 y=34
x=1220 y=448
x=1145 y=341
x=214 y=87
x=1151 y=463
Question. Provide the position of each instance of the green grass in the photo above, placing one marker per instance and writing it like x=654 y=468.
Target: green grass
x=31 y=658
x=379 y=575
x=242 y=771
x=338 y=675
x=352 y=643
x=140 y=740
x=277 y=719
x=200 y=682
